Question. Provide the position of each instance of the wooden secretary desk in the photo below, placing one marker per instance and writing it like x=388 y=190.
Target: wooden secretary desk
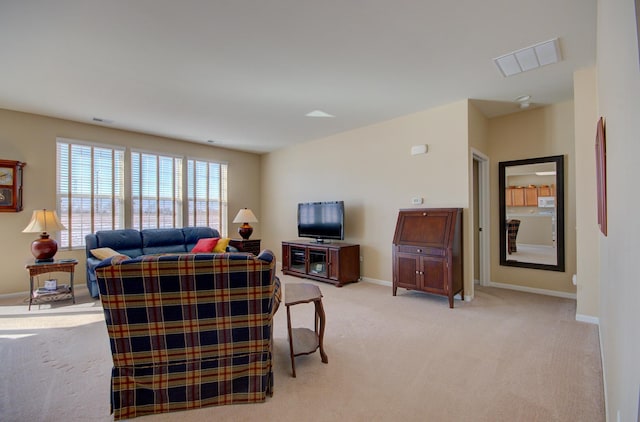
x=427 y=251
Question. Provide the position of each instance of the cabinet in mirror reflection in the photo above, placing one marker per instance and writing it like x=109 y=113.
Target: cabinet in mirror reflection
x=532 y=213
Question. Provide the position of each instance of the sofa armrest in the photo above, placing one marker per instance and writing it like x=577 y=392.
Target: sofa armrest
x=277 y=295
x=92 y=281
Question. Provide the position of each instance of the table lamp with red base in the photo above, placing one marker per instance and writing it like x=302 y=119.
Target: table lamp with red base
x=44 y=248
x=245 y=216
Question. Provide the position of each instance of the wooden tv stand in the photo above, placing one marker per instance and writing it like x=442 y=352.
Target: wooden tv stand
x=335 y=262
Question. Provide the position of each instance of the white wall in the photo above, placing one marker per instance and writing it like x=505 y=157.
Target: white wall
x=538 y=132
x=618 y=76
x=372 y=170
x=32 y=139
x=587 y=231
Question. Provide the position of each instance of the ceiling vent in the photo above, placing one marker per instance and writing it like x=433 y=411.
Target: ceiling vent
x=529 y=58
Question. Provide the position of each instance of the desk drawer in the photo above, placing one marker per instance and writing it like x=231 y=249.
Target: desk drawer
x=422 y=250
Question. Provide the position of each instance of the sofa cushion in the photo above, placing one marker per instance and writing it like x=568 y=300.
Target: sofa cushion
x=155 y=241
x=205 y=245
x=221 y=246
x=126 y=241
x=192 y=234
x=104 y=253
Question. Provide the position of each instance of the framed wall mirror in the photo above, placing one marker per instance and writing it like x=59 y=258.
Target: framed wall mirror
x=532 y=213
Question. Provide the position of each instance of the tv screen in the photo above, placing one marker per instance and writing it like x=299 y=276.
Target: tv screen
x=321 y=220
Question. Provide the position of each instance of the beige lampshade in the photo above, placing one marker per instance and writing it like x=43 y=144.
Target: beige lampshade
x=245 y=215
x=43 y=221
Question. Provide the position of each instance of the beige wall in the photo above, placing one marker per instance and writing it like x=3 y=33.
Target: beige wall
x=479 y=144
x=587 y=230
x=32 y=139
x=372 y=170
x=538 y=132
x=618 y=85
x=478 y=130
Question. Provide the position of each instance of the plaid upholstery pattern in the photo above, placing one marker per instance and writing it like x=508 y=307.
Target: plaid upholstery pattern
x=189 y=330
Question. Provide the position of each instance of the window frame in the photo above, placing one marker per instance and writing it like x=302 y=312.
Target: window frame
x=216 y=199
x=222 y=200
x=65 y=191
x=177 y=195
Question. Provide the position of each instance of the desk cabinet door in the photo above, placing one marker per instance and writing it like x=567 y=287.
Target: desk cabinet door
x=407 y=270
x=434 y=274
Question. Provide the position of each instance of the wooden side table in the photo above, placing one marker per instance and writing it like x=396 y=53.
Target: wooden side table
x=63 y=266
x=304 y=341
x=246 y=245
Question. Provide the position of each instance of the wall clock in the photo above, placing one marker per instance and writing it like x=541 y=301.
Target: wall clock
x=11 y=185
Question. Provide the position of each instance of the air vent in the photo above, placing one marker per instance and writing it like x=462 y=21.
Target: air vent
x=529 y=58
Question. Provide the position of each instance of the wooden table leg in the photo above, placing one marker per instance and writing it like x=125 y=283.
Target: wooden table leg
x=293 y=358
x=321 y=317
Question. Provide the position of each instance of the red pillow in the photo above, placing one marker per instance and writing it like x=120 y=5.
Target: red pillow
x=205 y=245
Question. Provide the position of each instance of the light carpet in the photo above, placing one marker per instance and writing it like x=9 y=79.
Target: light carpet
x=505 y=356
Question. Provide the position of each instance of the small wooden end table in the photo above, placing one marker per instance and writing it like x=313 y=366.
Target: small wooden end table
x=61 y=265
x=304 y=341
x=246 y=245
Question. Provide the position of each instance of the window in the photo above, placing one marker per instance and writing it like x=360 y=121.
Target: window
x=207 y=194
x=90 y=190
x=91 y=194
x=156 y=191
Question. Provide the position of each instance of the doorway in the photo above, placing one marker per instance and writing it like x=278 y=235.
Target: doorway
x=480 y=218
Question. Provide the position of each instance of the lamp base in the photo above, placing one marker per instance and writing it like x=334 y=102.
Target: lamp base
x=245 y=231
x=44 y=249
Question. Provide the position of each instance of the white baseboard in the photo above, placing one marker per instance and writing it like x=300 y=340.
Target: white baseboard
x=588 y=318
x=579 y=317
x=565 y=295
x=376 y=281
x=15 y=295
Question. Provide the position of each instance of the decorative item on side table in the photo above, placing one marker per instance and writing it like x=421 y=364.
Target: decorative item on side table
x=11 y=185
x=245 y=216
x=44 y=248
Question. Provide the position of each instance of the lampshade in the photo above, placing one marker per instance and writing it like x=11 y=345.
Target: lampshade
x=245 y=216
x=42 y=221
x=44 y=248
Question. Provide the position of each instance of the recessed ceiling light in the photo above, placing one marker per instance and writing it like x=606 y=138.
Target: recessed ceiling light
x=529 y=58
x=318 y=113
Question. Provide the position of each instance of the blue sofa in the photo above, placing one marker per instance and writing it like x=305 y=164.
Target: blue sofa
x=135 y=243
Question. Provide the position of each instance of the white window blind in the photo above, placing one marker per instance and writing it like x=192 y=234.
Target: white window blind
x=207 y=194
x=156 y=191
x=89 y=190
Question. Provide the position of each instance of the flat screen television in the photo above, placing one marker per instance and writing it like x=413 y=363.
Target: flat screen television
x=321 y=220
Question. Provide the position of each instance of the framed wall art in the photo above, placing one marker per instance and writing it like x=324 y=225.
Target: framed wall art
x=11 y=186
x=601 y=175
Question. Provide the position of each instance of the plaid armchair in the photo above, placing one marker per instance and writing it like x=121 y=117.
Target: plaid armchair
x=189 y=330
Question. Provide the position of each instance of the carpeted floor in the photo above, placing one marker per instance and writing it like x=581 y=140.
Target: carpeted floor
x=506 y=356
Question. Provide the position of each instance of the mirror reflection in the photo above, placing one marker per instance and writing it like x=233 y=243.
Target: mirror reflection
x=532 y=213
